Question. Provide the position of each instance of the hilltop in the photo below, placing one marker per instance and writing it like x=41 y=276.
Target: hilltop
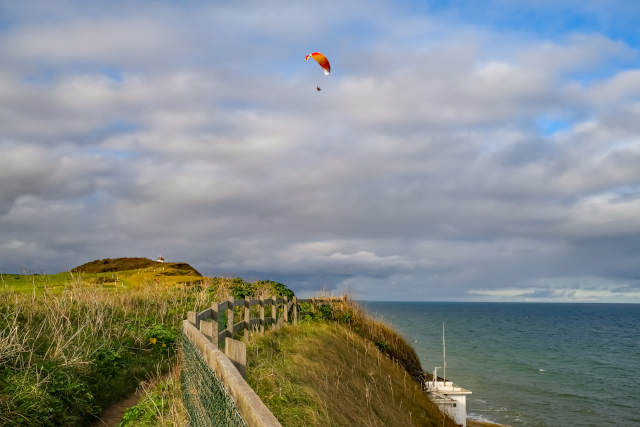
x=106 y=273
x=109 y=265
x=135 y=271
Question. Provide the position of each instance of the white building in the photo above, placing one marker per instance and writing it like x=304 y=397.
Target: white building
x=450 y=399
x=160 y=259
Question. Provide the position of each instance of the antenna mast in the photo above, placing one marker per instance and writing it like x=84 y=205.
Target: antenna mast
x=444 y=374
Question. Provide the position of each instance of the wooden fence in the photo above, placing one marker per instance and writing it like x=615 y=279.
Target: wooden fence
x=282 y=310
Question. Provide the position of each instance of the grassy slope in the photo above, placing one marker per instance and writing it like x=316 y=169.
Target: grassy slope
x=25 y=283
x=323 y=374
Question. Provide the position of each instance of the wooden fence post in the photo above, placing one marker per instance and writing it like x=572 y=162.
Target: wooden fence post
x=285 y=308
x=203 y=315
x=191 y=316
x=216 y=309
x=247 y=318
x=230 y=311
x=274 y=312
x=236 y=351
x=262 y=315
x=295 y=310
x=215 y=319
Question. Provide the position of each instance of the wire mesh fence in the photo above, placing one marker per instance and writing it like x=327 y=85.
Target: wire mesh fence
x=205 y=398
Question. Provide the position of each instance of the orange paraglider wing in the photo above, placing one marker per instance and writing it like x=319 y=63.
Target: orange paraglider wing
x=320 y=59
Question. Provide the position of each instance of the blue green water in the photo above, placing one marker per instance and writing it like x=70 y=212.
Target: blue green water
x=532 y=364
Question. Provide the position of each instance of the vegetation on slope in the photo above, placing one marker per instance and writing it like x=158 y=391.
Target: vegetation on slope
x=70 y=344
x=65 y=355
x=113 y=276
x=328 y=372
x=160 y=404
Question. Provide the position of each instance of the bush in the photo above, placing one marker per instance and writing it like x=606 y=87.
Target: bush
x=47 y=395
x=162 y=338
x=326 y=312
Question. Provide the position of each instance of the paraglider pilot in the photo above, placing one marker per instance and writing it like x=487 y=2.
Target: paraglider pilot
x=322 y=61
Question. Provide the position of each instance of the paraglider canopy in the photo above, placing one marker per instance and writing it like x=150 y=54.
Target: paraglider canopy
x=320 y=59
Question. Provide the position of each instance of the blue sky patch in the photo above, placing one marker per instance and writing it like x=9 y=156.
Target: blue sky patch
x=549 y=125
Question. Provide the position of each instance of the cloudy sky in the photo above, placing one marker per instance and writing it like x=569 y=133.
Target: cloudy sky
x=459 y=150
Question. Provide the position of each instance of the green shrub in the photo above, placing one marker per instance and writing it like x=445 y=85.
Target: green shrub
x=162 y=338
x=383 y=346
x=108 y=362
x=326 y=312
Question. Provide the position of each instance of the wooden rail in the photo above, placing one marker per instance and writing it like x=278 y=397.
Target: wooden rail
x=207 y=320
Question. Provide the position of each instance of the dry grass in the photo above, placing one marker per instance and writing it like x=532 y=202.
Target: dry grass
x=65 y=355
x=384 y=336
x=322 y=373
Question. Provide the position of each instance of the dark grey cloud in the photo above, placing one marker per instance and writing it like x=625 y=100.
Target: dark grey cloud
x=418 y=172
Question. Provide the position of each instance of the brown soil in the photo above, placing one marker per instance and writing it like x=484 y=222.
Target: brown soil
x=111 y=416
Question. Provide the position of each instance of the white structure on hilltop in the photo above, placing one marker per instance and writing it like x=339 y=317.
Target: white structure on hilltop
x=450 y=399
x=160 y=259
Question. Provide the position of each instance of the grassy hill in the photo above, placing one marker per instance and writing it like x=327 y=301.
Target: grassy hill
x=112 y=265
x=109 y=265
x=337 y=368
x=107 y=273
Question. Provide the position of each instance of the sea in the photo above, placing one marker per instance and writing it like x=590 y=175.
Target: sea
x=531 y=364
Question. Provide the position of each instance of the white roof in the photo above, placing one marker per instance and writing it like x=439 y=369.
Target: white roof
x=446 y=388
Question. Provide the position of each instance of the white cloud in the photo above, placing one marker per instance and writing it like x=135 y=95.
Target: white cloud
x=418 y=170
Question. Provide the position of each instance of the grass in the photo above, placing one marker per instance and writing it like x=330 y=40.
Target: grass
x=27 y=283
x=160 y=404
x=73 y=343
x=168 y=273
x=328 y=372
x=67 y=355
x=66 y=352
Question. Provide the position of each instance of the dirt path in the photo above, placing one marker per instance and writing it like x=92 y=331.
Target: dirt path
x=111 y=416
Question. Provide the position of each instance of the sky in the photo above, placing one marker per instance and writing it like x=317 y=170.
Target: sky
x=458 y=151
